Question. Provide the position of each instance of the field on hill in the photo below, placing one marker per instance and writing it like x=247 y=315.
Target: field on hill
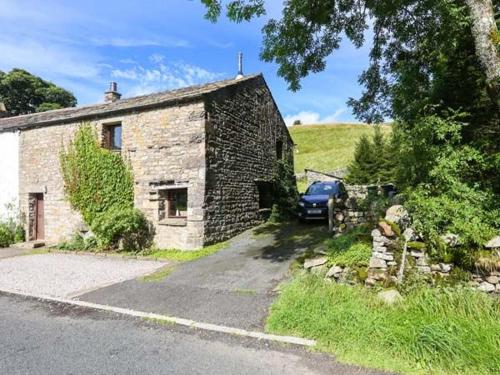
x=327 y=147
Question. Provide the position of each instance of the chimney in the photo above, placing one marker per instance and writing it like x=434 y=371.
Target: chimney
x=3 y=110
x=240 y=66
x=112 y=95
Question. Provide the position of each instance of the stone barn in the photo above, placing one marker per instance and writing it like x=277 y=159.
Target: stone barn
x=202 y=159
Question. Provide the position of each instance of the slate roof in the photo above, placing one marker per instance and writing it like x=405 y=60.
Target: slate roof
x=73 y=114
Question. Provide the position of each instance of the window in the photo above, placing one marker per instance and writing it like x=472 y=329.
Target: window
x=279 y=149
x=177 y=203
x=113 y=137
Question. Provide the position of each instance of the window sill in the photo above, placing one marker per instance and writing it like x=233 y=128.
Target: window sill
x=174 y=222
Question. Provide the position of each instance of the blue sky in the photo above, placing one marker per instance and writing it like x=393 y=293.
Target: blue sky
x=150 y=45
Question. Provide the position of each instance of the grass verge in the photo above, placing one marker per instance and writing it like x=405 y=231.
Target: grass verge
x=158 y=275
x=433 y=331
x=185 y=255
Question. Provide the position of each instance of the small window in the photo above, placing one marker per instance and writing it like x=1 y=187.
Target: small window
x=177 y=203
x=279 y=149
x=113 y=136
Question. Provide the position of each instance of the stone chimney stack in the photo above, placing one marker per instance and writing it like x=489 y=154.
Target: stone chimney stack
x=3 y=110
x=112 y=95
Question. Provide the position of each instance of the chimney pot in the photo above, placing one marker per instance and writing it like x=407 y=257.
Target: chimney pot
x=112 y=95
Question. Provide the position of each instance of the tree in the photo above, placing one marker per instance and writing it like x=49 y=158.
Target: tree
x=24 y=93
x=309 y=31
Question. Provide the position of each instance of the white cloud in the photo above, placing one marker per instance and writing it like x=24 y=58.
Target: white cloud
x=310 y=118
x=162 y=76
x=134 y=42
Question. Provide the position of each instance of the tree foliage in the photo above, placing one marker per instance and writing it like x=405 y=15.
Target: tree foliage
x=24 y=93
x=373 y=161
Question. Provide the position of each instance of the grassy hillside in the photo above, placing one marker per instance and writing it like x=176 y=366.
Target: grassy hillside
x=327 y=147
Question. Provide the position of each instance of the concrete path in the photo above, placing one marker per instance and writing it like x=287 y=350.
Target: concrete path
x=49 y=338
x=10 y=252
x=233 y=287
x=68 y=275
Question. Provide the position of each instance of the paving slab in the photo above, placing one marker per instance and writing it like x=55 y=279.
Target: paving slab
x=68 y=275
x=10 y=252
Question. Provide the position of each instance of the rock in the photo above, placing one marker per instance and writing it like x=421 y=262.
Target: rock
x=486 y=287
x=335 y=271
x=451 y=239
x=370 y=281
x=378 y=248
x=382 y=240
x=445 y=267
x=377 y=263
x=383 y=256
x=422 y=261
x=493 y=243
x=320 y=250
x=492 y=279
x=409 y=234
x=424 y=269
x=391 y=263
x=473 y=284
x=397 y=214
x=417 y=253
x=390 y=297
x=385 y=229
x=315 y=262
x=319 y=270
x=376 y=233
x=379 y=276
x=435 y=268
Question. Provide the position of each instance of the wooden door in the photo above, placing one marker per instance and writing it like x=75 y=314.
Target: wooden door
x=39 y=218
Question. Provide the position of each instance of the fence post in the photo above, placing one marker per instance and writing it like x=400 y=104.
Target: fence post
x=331 y=221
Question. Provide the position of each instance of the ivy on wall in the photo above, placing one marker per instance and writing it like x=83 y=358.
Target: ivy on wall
x=96 y=180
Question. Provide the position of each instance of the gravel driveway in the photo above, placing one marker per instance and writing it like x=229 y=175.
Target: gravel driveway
x=68 y=275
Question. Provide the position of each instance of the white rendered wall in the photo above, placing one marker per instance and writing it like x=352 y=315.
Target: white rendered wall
x=9 y=170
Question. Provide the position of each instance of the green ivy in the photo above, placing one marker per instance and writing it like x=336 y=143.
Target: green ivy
x=96 y=180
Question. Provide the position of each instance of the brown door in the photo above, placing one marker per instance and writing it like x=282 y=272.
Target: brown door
x=39 y=223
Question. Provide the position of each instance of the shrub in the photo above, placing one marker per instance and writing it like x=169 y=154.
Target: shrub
x=126 y=229
x=7 y=236
x=95 y=179
x=285 y=194
x=78 y=243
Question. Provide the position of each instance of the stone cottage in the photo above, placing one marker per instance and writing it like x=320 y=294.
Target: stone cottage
x=202 y=159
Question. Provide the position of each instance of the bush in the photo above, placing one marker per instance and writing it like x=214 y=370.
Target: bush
x=78 y=243
x=95 y=179
x=7 y=236
x=126 y=229
x=285 y=194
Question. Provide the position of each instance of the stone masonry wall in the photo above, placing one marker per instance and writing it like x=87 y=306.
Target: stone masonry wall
x=162 y=145
x=243 y=129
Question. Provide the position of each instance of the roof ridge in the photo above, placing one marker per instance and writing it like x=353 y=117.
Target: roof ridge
x=142 y=101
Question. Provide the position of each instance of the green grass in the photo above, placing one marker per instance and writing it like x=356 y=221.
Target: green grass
x=326 y=147
x=187 y=255
x=351 y=249
x=158 y=275
x=432 y=331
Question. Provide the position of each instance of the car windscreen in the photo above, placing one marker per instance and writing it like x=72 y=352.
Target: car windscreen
x=322 y=189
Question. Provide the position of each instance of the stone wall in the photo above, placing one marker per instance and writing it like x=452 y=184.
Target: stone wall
x=243 y=131
x=313 y=176
x=349 y=212
x=162 y=145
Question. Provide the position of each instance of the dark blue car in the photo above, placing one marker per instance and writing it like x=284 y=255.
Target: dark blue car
x=313 y=205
